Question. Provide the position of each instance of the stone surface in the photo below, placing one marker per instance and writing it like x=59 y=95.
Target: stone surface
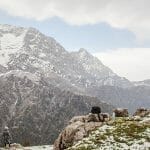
x=121 y=112
x=142 y=112
x=78 y=128
x=122 y=133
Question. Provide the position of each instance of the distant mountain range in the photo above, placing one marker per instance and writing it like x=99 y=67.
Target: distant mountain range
x=42 y=85
x=142 y=83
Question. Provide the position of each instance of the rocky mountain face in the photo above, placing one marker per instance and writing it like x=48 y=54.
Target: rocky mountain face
x=39 y=79
x=131 y=98
x=37 y=111
x=31 y=51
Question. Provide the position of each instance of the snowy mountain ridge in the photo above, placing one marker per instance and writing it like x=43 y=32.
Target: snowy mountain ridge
x=30 y=51
x=10 y=43
x=45 y=54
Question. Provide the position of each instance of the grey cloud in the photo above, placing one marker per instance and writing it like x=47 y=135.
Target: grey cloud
x=129 y=14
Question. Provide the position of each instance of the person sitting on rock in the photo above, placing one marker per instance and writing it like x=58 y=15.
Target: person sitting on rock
x=97 y=110
x=6 y=136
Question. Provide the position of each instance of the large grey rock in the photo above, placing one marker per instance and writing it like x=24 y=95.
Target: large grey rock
x=142 y=112
x=78 y=128
x=121 y=112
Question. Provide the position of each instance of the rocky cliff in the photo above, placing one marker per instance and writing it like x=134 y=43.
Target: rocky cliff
x=88 y=133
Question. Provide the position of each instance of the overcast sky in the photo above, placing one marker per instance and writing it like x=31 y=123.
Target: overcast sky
x=116 y=31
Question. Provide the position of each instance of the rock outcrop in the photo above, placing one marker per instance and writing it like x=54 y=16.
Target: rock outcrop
x=87 y=132
x=78 y=128
x=122 y=133
x=142 y=112
x=121 y=112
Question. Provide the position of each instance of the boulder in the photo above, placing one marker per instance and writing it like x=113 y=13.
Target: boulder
x=142 y=112
x=78 y=118
x=121 y=112
x=94 y=118
x=105 y=116
x=78 y=128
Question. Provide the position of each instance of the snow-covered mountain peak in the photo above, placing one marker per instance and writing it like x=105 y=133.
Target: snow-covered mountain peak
x=91 y=64
x=29 y=50
x=41 y=45
x=83 y=52
x=17 y=41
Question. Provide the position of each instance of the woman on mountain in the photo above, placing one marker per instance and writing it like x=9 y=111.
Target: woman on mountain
x=6 y=136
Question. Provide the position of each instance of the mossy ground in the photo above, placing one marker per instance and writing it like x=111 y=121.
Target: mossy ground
x=123 y=133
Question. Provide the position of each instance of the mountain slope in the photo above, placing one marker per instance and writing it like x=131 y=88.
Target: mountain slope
x=35 y=110
x=98 y=72
x=29 y=50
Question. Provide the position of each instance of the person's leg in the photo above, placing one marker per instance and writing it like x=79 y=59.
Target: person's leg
x=99 y=117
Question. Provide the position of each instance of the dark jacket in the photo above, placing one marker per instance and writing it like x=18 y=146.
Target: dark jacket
x=6 y=137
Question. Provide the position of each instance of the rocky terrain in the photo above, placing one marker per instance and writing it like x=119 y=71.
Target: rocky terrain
x=42 y=86
x=84 y=133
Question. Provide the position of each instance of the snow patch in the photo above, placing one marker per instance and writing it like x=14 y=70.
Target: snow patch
x=43 y=147
x=10 y=44
x=21 y=74
x=42 y=55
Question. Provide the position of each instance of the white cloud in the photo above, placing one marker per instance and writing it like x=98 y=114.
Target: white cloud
x=130 y=14
x=132 y=63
